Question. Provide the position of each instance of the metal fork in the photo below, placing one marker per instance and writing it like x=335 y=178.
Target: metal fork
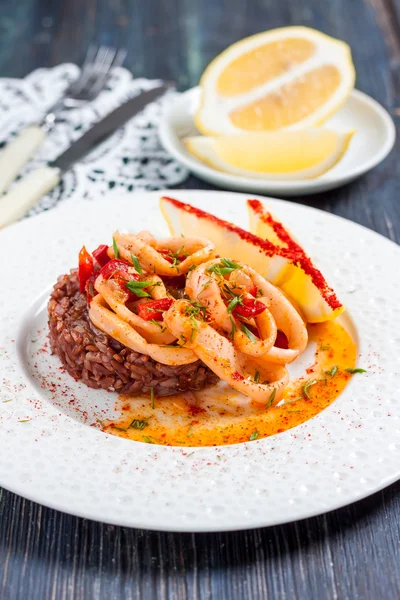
x=92 y=79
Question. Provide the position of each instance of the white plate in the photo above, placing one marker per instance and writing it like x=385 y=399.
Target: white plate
x=372 y=142
x=348 y=451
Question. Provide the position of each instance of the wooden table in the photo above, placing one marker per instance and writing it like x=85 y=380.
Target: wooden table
x=352 y=553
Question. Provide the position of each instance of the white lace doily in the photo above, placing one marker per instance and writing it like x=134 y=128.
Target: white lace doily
x=132 y=158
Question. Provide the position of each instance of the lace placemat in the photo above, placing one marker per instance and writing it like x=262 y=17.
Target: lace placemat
x=132 y=158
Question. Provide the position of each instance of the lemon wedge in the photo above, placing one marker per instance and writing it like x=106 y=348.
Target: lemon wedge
x=277 y=155
x=278 y=258
x=285 y=78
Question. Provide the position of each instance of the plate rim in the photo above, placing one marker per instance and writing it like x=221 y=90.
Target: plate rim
x=56 y=214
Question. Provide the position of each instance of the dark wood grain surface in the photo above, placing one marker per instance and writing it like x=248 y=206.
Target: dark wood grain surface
x=352 y=553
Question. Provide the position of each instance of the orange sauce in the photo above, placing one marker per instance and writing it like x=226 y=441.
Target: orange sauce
x=220 y=415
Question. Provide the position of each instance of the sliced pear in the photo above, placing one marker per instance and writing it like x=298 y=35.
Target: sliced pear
x=303 y=282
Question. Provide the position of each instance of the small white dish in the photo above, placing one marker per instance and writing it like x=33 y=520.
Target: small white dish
x=372 y=142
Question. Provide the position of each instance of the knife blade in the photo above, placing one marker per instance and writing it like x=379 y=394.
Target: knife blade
x=31 y=188
x=102 y=129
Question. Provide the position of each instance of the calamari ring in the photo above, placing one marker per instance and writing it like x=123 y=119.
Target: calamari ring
x=198 y=250
x=219 y=354
x=116 y=299
x=111 y=324
x=280 y=314
x=286 y=318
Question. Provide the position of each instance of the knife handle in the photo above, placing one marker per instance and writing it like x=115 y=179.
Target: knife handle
x=26 y=192
x=18 y=152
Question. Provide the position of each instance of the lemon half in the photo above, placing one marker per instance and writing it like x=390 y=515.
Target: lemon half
x=281 y=79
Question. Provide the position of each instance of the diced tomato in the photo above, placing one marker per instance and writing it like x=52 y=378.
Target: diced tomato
x=154 y=309
x=253 y=291
x=117 y=268
x=281 y=341
x=101 y=255
x=89 y=287
x=85 y=267
x=169 y=255
x=249 y=308
x=166 y=254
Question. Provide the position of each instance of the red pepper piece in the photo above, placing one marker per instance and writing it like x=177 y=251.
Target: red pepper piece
x=253 y=290
x=89 y=287
x=100 y=254
x=85 y=268
x=117 y=268
x=154 y=309
x=281 y=340
x=166 y=254
x=249 y=308
x=169 y=255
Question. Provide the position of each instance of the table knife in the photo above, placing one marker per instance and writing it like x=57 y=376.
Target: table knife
x=39 y=182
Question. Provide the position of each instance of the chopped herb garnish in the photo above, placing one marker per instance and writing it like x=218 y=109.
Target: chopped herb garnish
x=147 y=439
x=136 y=264
x=271 y=398
x=325 y=348
x=306 y=386
x=152 y=397
x=136 y=424
x=116 y=251
x=234 y=328
x=353 y=371
x=154 y=322
x=191 y=454
x=137 y=288
x=23 y=420
x=233 y=303
x=227 y=262
x=191 y=268
x=249 y=334
x=254 y=435
x=196 y=310
x=177 y=256
x=333 y=371
x=224 y=267
x=10 y=400
x=257 y=377
x=189 y=433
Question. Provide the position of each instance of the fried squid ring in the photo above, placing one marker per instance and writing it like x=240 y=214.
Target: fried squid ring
x=219 y=354
x=182 y=253
x=111 y=324
x=206 y=287
x=116 y=299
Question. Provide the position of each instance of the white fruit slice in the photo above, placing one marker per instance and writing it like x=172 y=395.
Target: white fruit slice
x=304 y=283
